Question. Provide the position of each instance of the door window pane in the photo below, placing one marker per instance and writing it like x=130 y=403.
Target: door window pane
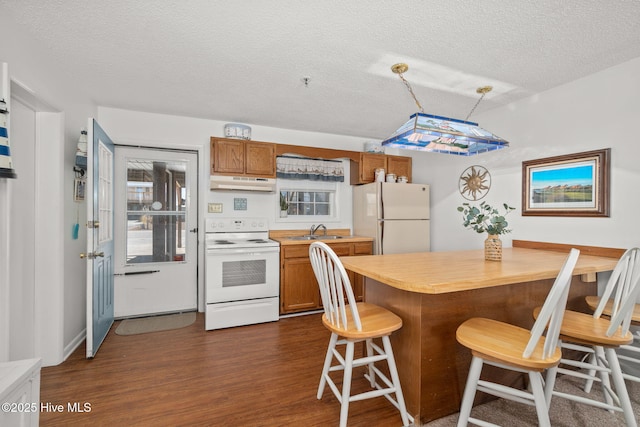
x=156 y=211
x=105 y=198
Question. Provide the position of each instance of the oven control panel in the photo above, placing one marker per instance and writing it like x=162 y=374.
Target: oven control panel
x=218 y=225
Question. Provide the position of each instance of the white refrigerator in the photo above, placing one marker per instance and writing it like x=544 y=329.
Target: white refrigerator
x=395 y=215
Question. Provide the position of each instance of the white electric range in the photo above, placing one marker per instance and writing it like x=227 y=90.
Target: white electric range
x=242 y=274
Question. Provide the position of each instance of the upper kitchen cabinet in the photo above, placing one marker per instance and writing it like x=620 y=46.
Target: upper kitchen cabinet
x=240 y=157
x=399 y=165
x=363 y=171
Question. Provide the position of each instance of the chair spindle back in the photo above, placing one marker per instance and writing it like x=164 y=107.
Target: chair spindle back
x=552 y=312
x=624 y=284
x=335 y=286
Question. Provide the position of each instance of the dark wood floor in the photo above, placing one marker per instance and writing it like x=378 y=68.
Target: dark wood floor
x=259 y=375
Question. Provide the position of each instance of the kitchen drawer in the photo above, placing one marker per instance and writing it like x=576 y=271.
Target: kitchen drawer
x=302 y=251
x=295 y=251
x=363 y=248
x=341 y=249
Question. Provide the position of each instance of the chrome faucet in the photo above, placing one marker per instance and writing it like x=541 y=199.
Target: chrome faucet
x=314 y=229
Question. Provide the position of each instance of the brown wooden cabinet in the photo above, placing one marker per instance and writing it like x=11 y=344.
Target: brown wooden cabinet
x=399 y=165
x=298 y=287
x=239 y=157
x=363 y=171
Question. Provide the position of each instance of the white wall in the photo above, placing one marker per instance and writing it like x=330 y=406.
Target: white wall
x=596 y=112
x=147 y=129
x=43 y=79
x=22 y=233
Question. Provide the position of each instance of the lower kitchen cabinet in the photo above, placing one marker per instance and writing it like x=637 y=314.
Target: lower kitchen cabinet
x=298 y=287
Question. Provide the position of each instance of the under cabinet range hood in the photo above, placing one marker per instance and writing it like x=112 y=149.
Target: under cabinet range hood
x=242 y=183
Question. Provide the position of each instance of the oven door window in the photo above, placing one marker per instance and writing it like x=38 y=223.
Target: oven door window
x=244 y=273
x=241 y=276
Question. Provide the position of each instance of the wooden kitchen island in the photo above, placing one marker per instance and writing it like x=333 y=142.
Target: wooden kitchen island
x=434 y=292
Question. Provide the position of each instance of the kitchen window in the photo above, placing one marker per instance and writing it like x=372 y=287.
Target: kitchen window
x=304 y=203
x=309 y=201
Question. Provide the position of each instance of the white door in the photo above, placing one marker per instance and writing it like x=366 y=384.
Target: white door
x=156 y=251
x=99 y=187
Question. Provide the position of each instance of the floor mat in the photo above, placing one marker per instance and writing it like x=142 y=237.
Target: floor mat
x=145 y=325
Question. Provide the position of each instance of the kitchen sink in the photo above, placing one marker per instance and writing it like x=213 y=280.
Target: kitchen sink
x=316 y=237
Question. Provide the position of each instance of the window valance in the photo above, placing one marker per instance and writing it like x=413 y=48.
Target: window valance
x=310 y=169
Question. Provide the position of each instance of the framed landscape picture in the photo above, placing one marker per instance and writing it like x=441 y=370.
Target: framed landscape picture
x=570 y=185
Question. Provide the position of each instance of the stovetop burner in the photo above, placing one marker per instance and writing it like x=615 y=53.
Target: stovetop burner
x=238 y=241
x=223 y=242
x=236 y=234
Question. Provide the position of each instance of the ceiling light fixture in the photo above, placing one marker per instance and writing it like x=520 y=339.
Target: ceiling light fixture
x=426 y=132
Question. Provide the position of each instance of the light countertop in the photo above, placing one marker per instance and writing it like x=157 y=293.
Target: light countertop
x=443 y=272
x=284 y=237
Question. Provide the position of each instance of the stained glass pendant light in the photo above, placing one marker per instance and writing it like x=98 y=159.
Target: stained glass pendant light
x=426 y=132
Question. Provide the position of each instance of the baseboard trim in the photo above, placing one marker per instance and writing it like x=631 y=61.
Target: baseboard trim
x=74 y=344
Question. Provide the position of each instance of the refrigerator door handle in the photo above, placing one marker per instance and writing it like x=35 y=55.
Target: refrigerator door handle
x=381 y=239
x=380 y=199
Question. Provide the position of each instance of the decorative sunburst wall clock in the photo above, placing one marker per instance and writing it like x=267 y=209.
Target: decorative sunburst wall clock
x=474 y=182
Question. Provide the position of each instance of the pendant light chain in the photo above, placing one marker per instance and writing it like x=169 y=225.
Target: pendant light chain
x=482 y=90
x=406 y=83
x=401 y=68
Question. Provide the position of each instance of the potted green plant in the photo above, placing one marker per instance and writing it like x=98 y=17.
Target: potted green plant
x=486 y=218
x=284 y=206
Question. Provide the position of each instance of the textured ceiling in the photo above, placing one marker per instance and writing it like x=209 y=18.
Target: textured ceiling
x=245 y=61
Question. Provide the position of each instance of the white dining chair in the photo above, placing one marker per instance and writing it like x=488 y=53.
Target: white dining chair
x=350 y=323
x=629 y=353
x=592 y=340
x=517 y=349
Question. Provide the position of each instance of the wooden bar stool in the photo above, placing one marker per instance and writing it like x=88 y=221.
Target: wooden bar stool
x=514 y=348
x=598 y=336
x=349 y=323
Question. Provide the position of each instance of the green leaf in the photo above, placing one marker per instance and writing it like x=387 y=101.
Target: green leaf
x=485 y=218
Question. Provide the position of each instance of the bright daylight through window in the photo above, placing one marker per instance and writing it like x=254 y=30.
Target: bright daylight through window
x=309 y=203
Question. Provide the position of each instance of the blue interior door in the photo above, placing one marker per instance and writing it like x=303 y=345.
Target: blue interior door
x=99 y=191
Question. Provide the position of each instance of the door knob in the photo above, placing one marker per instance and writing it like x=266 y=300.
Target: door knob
x=91 y=255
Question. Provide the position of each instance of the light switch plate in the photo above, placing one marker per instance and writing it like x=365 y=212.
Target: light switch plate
x=215 y=207
x=240 y=204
